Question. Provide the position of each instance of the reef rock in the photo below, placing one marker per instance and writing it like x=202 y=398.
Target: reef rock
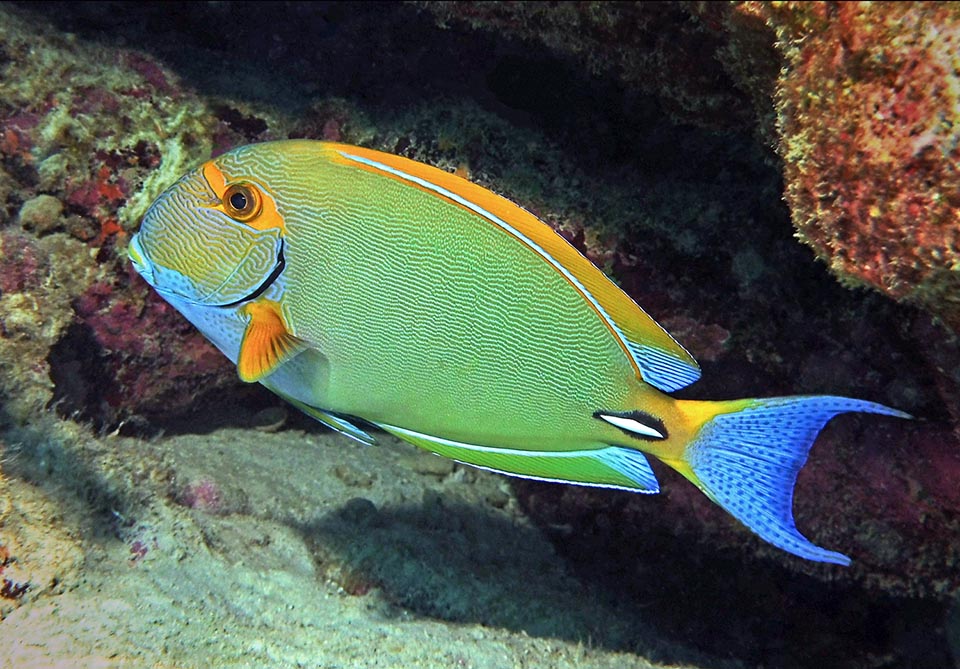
x=869 y=121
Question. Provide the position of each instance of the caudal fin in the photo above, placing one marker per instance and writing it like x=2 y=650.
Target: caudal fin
x=746 y=456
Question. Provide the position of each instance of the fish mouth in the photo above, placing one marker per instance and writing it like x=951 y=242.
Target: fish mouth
x=138 y=259
x=262 y=288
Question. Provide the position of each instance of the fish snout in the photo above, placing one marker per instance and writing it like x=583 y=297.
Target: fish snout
x=139 y=260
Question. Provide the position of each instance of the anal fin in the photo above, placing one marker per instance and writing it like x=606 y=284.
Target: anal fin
x=603 y=467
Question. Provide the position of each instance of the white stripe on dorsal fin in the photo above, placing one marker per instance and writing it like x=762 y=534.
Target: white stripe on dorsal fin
x=656 y=356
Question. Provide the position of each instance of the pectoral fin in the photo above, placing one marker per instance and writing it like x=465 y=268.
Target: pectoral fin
x=267 y=343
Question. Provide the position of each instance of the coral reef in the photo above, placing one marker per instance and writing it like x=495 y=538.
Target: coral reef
x=38 y=280
x=868 y=115
x=90 y=136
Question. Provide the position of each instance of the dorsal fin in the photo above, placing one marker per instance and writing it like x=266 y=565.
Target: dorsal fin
x=657 y=357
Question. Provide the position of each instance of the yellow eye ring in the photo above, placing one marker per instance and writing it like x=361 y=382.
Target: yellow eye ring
x=241 y=201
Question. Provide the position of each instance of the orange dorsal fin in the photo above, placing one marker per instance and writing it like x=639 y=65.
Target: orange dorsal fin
x=267 y=343
x=658 y=358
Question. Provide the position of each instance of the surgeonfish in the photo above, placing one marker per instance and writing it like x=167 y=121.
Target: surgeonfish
x=368 y=289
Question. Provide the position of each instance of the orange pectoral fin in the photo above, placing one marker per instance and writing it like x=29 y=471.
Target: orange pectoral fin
x=267 y=343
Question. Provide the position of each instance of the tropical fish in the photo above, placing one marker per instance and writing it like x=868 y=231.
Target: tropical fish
x=370 y=289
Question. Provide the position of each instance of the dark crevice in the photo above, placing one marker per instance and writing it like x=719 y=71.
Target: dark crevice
x=80 y=378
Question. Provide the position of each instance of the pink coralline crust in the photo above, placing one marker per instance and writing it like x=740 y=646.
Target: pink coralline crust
x=223 y=140
x=202 y=494
x=706 y=342
x=98 y=201
x=871 y=146
x=21 y=120
x=207 y=493
x=101 y=196
x=24 y=269
x=936 y=475
x=151 y=72
x=326 y=121
x=138 y=551
x=888 y=505
x=95 y=100
x=159 y=362
x=331 y=131
x=15 y=135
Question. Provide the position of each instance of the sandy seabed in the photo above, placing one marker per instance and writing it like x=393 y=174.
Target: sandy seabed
x=243 y=548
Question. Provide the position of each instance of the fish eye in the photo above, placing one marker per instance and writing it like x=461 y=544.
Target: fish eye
x=241 y=201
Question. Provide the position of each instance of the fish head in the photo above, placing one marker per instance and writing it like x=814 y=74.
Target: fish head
x=214 y=238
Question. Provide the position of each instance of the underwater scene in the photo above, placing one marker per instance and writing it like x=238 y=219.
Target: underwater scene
x=480 y=335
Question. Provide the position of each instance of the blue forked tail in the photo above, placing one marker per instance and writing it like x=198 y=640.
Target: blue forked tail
x=747 y=453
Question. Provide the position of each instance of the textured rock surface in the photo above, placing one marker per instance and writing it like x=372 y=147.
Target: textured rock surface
x=89 y=137
x=869 y=109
